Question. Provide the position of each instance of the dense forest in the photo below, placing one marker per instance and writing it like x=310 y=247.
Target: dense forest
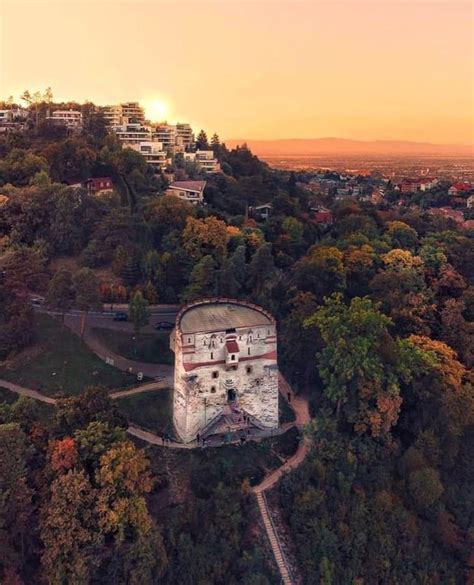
x=375 y=314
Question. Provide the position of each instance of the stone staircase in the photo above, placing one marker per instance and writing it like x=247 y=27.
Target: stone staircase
x=231 y=419
x=274 y=540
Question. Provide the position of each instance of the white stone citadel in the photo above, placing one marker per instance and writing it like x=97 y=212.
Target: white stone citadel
x=226 y=373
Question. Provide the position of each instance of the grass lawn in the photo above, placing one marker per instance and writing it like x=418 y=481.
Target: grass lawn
x=150 y=410
x=147 y=347
x=60 y=362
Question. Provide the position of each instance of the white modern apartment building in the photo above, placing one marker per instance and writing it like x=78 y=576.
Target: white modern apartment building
x=70 y=118
x=184 y=134
x=133 y=133
x=166 y=134
x=205 y=159
x=121 y=114
x=152 y=152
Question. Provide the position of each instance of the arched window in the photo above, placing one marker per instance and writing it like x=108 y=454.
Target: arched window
x=232 y=357
x=213 y=389
x=215 y=374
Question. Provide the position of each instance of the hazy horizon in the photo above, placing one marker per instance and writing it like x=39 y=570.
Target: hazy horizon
x=364 y=70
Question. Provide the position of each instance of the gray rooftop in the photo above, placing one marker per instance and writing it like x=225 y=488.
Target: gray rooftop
x=221 y=316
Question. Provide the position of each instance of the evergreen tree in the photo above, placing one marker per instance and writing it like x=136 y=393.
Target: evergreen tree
x=60 y=291
x=87 y=296
x=202 y=282
x=138 y=310
x=201 y=141
x=261 y=269
x=233 y=274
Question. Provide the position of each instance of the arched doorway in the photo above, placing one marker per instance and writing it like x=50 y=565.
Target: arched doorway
x=231 y=395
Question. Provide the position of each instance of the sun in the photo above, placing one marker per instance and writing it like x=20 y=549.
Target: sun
x=156 y=110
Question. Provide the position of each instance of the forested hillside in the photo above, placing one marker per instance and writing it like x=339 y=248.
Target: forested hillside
x=375 y=314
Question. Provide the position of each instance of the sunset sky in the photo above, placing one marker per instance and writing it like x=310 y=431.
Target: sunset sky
x=255 y=69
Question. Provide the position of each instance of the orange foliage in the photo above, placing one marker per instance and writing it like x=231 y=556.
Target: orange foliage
x=63 y=454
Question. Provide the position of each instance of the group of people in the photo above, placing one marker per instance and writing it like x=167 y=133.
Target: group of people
x=166 y=439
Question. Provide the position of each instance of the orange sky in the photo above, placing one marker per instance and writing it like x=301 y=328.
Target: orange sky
x=256 y=69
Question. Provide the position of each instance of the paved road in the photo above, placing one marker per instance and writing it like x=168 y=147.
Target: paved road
x=157 y=371
x=105 y=319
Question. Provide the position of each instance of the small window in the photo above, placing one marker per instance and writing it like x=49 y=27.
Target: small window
x=248 y=351
x=213 y=389
x=215 y=374
x=248 y=369
x=232 y=357
x=257 y=382
x=212 y=356
x=189 y=340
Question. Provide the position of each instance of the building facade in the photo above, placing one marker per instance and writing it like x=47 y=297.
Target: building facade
x=70 y=118
x=153 y=153
x=226 y=372
x=121 y=114
x=205 y=159
x=190 y=191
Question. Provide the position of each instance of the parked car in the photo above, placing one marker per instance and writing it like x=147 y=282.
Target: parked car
x=120 y=316
x=164 y=326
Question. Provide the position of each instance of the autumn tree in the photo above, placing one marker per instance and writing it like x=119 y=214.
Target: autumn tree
x=92 y=404
x=440 y=396
x=402 y=235
x=321 y=271
x=401 y=288
x=123 y=480
x=361 y=365
x=202 y=237
x=70 y=548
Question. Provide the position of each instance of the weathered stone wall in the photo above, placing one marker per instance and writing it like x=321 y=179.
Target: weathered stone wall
x=202 y=378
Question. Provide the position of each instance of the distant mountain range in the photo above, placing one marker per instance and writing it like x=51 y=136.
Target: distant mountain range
x=334 y=146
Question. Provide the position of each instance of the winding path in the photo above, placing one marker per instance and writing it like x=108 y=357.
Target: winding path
x=300 y=407
x=163 y=378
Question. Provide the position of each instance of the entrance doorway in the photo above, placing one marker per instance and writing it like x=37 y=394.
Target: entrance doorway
x=231 y=395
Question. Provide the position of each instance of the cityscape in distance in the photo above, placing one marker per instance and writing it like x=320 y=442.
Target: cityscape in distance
x=236 y=292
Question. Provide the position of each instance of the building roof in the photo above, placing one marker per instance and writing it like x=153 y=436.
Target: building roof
x=219 y=316
x=232 y=346
x=188 y=185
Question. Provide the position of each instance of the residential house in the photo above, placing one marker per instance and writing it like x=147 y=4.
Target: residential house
x=152 y=152
x=261 y=211
x=190 y=191
x=204 y=159
x=458 y=188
